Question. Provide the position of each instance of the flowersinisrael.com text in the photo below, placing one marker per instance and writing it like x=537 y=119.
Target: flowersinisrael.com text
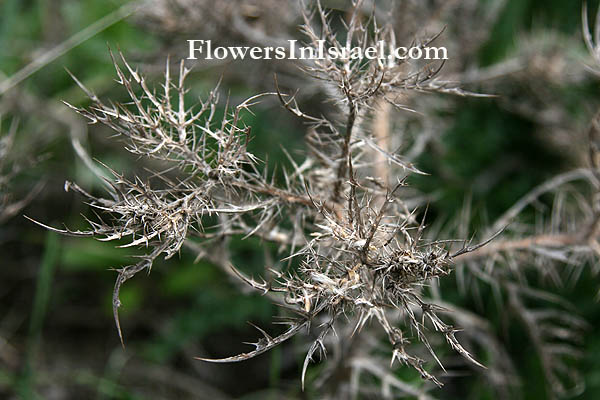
x=204 y=49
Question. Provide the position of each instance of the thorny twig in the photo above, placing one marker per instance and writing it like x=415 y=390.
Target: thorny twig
x=362 y=255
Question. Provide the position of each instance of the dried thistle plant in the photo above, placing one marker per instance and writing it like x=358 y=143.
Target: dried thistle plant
x=363 y=253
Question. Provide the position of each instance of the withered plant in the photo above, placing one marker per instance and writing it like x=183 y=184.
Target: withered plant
x=360 y=266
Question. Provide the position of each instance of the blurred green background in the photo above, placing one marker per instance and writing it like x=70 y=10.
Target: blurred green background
x=57 y=335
